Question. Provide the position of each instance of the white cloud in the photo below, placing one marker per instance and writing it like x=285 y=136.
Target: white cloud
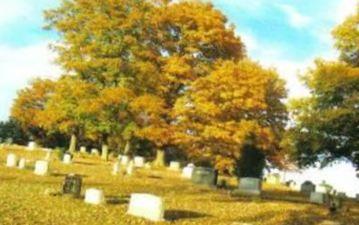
x=19 y=65
x=296 y=19
x=344 y=9
x=12 y=10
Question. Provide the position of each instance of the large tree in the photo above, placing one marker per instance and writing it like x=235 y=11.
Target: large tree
x=327 y=122
x=154 y=48
x=236 y=109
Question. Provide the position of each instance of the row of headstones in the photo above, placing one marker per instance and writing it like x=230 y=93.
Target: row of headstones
x=41 y=166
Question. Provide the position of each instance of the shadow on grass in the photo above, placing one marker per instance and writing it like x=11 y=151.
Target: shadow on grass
x=85 y=163
x=117 y=200
x=155 y=177
x=173 y=215
x=55 y=174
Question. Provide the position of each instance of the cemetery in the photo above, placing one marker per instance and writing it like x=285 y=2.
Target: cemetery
x=179 y=112
x=88 y=192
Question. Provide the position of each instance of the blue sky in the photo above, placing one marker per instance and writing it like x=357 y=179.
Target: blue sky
x=286 y=34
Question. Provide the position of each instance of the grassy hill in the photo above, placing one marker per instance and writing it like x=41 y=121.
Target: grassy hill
x=24 y=198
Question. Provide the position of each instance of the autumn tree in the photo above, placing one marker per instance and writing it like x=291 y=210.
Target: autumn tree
x=66 y=109
x=28 y=104
x=327 y=122
x=237 y=107
x=154 y=48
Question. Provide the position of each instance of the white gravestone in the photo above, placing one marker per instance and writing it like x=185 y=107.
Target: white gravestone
x=147 y=206
x=188 y=171
x=95 y=151
x=318 y=198
x=139 y=161
x=22 y=164
x=31 y=146
x=83 y=149
x=130 y=168
x=67 y=159
x=11 y=160
x=249 y=186
x=125 y=160
x=41 y=167
x=94 y=196
x=116 y=168
x=175 y=166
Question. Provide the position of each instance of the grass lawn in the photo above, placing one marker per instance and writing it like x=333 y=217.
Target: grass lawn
x=23 y=199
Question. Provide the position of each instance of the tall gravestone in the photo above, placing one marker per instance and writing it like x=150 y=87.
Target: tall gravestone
x=188 y=171
x=205 y=176
x=72 y=185
x=307 y=187
x=22 y=163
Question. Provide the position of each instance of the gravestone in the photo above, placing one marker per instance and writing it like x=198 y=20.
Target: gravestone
x=67 y=159
x=342 y=195
x=175 y=166
x=318 y=198
x=104 y=153
x=95 y=152
x=31 y=146
x=249 y=186
x=41 y=167
x=72 y=185
x=188 y=171
x=130 y=168
x=357 y=197
x=22 y=164
x=147 y=206
x=116 y=168
x=125 y=160
x=273 y=179
x=307 y=187
x=94 y=196
x=83 y=149
x=11 y=160
x=205 y=176
x=139 y=161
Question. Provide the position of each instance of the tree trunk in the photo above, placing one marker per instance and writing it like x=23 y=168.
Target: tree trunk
x=160 y=158
x=104 y=154
x=73 y=143
x=127 y=148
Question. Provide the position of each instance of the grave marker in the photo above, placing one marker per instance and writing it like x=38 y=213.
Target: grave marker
x=147 y=206
x=11 y=160
x=22 y=164
x=249 y=186
x=307 y=187
x=318 y=198
x=188 y=171
x=83 y=149
x=205 y=176
x=31 y=146
x=67 y=159
x=72 y=185
x=41 y=167
x=94 y=196
x=139 y=161
x=175 y=166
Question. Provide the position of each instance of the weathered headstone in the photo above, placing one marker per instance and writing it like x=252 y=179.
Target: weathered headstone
x=22 y=164
x=357 y=197
x=188 y=171
x=95 y=151
x=273 y=179
x=72 y=185
x=175 y=166
x=307 y=187
x=318 y=198
x=94 y=196
x=31 y=146
x=116 y=168
x=147 y=206
x=249 y=186
x=11 y=160
x=83 y=149
x=139 y=161
x=67 y=159
x=41 y=167
x=125 y=160
x=130 y=168
x=205 y=176
x=104 y=153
